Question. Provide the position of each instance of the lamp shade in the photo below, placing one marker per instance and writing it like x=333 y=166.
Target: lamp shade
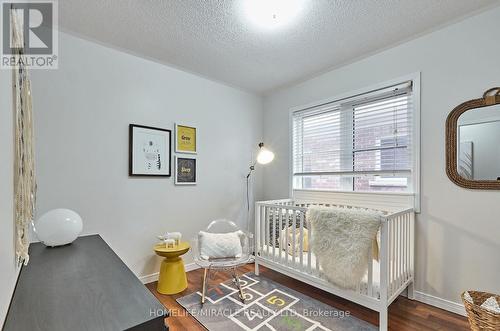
x=265 y=156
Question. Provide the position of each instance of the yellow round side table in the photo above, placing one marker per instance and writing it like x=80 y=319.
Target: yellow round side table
x=172 y=277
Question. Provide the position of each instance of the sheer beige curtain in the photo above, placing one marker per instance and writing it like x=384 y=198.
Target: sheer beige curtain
x=24 y=159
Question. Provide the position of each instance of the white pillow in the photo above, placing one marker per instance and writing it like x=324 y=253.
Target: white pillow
x=220 y=245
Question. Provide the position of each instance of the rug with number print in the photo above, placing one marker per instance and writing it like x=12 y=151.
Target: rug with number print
x=268 y=306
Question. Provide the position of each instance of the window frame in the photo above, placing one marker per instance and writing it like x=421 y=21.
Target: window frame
x=415 y=180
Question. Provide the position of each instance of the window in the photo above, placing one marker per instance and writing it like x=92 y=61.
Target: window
x=363 y=143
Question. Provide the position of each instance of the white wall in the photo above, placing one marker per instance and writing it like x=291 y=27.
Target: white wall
x=458 y=239
x=9 y=270
x=82 y=112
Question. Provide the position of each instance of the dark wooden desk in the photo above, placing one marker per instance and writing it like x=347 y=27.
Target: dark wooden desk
x=82 y=286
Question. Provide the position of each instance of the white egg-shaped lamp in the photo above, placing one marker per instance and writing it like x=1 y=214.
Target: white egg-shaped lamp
x=58 y=227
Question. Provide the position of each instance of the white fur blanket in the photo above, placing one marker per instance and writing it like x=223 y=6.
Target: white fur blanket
x=341 y=239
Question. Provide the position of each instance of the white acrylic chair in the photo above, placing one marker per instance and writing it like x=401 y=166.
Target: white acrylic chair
x=224 y=264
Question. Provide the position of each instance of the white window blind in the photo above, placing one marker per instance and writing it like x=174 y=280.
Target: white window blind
x=362 y=143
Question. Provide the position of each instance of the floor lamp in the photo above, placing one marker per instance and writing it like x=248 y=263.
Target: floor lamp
x=264 y=156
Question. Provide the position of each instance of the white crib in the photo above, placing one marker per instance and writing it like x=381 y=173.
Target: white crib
x=385 y=279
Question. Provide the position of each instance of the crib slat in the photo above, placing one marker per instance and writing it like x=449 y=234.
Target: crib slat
x=267 y=231
x=394 y=248
x=391 y=260
x=275 y=214
x=403 y=258
x=398 y=253
x=408 y=240
x=370 y=273
x=395 y=262
x=405 y=243
x=400 y=257
x=294 y=239
x=389 y=257
x=279 y=215
x=409 y=244
x=412 y=246
x=280 y=239
x=406 y=236
x=309 y=252
x=258 y=214
x=401 y=246
x=286 y=237
x=401 y=250
x=262 y=229
x=301 y=238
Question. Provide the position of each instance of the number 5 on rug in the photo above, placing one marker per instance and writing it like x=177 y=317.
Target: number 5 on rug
x=274 y=300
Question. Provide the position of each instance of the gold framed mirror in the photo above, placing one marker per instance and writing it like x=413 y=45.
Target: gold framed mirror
x=473 y=142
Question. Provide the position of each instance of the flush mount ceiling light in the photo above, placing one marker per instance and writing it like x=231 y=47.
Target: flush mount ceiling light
x=269 y=14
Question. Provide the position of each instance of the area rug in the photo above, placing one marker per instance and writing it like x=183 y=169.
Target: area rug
x=268 y=306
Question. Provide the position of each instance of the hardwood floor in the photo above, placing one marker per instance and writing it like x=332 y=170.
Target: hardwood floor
x=404 y=314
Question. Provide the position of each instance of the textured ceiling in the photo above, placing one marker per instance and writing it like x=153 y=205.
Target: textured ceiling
x=213 y=38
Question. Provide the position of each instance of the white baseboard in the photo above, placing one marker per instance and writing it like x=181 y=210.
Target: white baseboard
x=450 y=306
x=149 y=278
x=154 y=277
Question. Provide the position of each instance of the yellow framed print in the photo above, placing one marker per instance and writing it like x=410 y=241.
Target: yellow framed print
x=185 y=139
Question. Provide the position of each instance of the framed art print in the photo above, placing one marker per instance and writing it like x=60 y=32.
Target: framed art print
x=185 y=139
x=185 y=170
x=149 y=151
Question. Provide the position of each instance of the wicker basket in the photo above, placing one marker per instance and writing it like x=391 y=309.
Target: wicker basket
x=479 y=318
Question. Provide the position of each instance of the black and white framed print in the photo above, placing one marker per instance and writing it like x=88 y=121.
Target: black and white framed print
x=185 y=170
x=149 y=151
